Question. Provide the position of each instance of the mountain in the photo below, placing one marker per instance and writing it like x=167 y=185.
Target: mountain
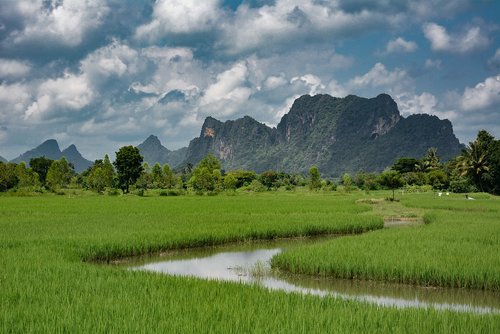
x=153 y=151
x=2 y=159
x=50 y=149
x=72 y=155
x=338 y=135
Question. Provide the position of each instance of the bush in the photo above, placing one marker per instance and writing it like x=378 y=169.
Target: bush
x=170 y=192
x=113 y=192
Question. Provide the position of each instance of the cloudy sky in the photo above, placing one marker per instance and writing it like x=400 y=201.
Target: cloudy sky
x=106 y=73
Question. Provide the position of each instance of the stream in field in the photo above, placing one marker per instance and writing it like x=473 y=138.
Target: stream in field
x=249 y=264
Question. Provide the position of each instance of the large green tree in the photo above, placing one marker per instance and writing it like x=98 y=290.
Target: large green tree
x=59 y=174
x=480 y=162
x=128 y=166
x=41 y=166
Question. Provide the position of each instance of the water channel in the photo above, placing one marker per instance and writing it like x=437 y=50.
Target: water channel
x=248 y=263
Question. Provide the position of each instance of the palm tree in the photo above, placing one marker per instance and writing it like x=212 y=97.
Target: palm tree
x=473 y=162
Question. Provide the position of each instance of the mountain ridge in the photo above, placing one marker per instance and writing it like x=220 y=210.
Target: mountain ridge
x=338 y=135
x=51 y=150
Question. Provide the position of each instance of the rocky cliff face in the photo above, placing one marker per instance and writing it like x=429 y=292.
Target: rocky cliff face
x=336 y=134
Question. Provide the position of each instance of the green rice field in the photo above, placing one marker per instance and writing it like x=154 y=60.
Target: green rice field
x=54 y=250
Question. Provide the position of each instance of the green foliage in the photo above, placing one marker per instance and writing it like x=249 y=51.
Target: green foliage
x=314 y=178
x=230 y=182
x=405 y=165
x=347 y=182
x=269 y=179
x=392 y=180
x=438 y=179
x=480 y=162
x=41 y=166
x=59 y=174
x=8 y=176
x=101 y=175
x=243 y=177
x=210 y=162
x=128 y=166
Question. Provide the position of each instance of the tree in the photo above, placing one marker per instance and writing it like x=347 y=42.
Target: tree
x=211 y=162
x=206 y=176
x=59 y=174
x=8 y=177
x=473 y=163
x=101 y=175
x=269 y=179
x=315 y=178
x=230 y=182
x=26 y=176
x=128 y=166
x=347 y=182
x=41 y=166
x=392 y=180
x=169 y=179
x=405 y=165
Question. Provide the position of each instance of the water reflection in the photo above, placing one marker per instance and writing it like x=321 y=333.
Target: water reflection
x=250 y=264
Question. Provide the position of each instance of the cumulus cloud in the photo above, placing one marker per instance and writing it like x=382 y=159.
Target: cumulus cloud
x=288 y=21
x=470 y=40
x=63 y=22
x=180 y=17
x=10 y=68
x=379 y=76
x=400 y=45
x=71 y=92
x=425 y=103
x=484 y=95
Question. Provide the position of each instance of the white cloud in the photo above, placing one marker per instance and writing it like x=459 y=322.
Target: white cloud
x=57 y=95
x=115 y=59
x=10 y=68
x=484 y=95
x=313 y=82
x=425 y=103
x=223 y=97
x=400 y=45
x=13 y=98
x=379 y=76
x=290 y=21
x=180 y=17
x=63 y=22
x=469 y=41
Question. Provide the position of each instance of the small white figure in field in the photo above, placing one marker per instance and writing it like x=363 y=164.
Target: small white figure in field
x=447 y=194
x=468 y=197
x=439 y=194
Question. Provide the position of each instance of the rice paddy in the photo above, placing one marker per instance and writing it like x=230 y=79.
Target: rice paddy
x=50 y=281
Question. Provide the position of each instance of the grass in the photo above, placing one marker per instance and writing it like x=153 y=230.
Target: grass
x=459 y=246
x=49 y=282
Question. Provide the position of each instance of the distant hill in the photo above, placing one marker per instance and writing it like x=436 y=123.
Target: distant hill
x=2 y=159
x=338 y=135
x=50 y=149
x=153 y=151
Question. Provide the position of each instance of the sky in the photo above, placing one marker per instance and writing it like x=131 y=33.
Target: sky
x=101 y=74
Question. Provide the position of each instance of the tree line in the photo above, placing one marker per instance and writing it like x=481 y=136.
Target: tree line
x=477 y=168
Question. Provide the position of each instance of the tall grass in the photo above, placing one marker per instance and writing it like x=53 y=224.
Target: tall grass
x=46 y=287
x=458 y=247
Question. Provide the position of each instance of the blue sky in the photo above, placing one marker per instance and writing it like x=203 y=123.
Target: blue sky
x=106 y=73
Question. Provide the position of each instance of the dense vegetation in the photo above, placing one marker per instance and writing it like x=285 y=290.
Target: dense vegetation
x=45 y=286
